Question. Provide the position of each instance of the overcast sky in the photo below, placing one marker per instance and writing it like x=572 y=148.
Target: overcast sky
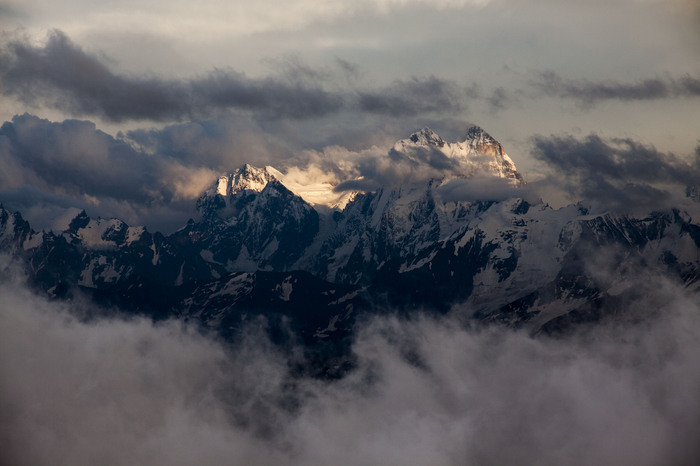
x=214 y=85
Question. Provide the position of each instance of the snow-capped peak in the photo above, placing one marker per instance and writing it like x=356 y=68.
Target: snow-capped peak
x=426 y=136
x=246 y=178
x=102 y=233
x=479 y=152
x=481 y=142
x=478 y=134
x=478 y=155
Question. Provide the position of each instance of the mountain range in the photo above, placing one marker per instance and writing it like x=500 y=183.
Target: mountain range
x=305 y=263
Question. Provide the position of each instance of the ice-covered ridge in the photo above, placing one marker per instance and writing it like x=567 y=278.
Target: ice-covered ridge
x=477 y=153
x=246 y=178
x=425 y=136
x=102 y=233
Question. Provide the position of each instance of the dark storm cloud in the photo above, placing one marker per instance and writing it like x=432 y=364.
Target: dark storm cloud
x=66 y=77
x=46 y=210
x=75 y=156
x=294 y=70
x=407 y=98
x=429 y=157
x=221 y=144
x=267 y=96
x=351 y=70
x=619 y=173
x=72 y=160
x=79 y=83
x=591 y=92
x=144 y=177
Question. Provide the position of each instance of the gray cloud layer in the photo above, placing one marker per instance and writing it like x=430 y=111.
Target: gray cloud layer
x=77 y=82
x=72 y=164
x=426 y=391
x=62 y=75
x=591 y=92
x=77 y=157
x=413 y=97
x=618 y=173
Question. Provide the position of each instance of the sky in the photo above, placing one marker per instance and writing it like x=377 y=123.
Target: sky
x=173 y=94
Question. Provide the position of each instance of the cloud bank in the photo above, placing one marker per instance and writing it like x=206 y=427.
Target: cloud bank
x=425 y=391
x=72 y=164
x=63 y=76
x=620 y=174
x=68 y=78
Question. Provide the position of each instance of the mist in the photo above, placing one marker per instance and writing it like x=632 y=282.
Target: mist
x=425 y=390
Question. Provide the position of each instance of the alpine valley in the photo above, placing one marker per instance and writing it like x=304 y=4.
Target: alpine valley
x=306 y=262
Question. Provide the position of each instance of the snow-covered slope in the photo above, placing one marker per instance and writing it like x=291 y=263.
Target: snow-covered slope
x=231 y=186
x=102 y=233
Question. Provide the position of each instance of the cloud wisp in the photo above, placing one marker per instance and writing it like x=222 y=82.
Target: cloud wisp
x=408 y=98
x=589 y=93
x=425 y=391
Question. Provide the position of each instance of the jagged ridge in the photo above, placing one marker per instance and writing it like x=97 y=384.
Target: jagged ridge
x=402 y=247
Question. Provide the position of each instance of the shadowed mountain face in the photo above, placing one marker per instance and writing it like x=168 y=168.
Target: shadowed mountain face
x=260 y=250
